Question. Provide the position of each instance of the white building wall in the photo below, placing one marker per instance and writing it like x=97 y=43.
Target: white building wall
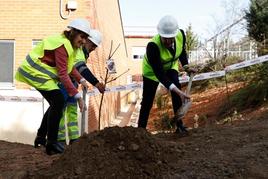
x=20 y=119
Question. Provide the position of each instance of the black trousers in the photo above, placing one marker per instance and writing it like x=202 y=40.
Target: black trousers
x=149 y=90
x=50 y=123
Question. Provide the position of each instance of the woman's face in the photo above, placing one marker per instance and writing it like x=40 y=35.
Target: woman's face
x=79 y=40
x=90 y=46
x=167 y=41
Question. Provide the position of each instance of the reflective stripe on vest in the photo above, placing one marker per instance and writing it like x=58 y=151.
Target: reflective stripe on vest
x=39 y=68
x=74 y=135
x=61 y=137
x=33 y=78
x=61 y=128
x=81 y=69
x=167 y=59
x=80 y=59
x=79 y=63
x=82 y=66
x=70 y=124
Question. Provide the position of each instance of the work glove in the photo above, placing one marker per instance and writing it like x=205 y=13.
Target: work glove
x=81 y=104
x=84 y=84
x=182 y=95
x=189 y=70
x=100 y=87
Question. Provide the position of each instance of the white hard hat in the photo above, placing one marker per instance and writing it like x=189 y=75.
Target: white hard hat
x=80 y=24
x=95 y=37
x=167 y=27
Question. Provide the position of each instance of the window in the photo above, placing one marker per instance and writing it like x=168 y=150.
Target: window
x=7 y=55
x=138 y=53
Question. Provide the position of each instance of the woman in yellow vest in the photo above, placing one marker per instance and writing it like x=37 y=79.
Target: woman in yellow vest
x=70 y=113
x=161 y=64
x=49 y=63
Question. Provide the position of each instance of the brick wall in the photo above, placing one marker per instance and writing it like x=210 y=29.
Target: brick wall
x=107 y=20
x=24 y=21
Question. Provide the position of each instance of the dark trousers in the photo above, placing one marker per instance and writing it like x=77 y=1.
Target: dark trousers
x=149 y=90
x=50 y=123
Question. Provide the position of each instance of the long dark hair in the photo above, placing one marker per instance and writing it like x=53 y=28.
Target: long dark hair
x=71 y=34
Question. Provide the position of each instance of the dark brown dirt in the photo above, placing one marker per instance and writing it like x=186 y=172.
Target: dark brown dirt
x=237 y=149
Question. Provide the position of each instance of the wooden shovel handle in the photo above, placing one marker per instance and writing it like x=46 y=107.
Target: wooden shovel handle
x=188 y=89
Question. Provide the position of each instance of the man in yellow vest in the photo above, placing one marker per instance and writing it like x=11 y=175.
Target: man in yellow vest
x=161 y=64
x=70 y=113
x=51 y=62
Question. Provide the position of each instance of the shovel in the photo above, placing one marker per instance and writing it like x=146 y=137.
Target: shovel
x=83 y=113
x=187 y=103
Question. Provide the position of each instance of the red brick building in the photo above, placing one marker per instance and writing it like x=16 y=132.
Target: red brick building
x=24 y=23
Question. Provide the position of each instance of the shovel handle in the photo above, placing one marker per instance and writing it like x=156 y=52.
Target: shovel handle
x=189 y=84
x=83 y=113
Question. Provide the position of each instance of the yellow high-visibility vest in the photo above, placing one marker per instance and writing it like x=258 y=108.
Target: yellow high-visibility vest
x=80 y=58
x=40 y=75
x=167 y=59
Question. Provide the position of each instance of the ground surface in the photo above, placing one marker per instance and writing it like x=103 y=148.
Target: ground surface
x=237 y=149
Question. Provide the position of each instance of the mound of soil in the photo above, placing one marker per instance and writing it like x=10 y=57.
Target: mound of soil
x=235 y=149
x=115 y=152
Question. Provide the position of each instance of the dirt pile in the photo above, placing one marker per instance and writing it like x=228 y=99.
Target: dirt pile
x=114 y=152
x=234 y=150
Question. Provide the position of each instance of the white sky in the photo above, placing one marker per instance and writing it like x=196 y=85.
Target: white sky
x=203 y=15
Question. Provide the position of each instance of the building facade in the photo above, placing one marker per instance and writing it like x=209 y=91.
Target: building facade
x=25 y=23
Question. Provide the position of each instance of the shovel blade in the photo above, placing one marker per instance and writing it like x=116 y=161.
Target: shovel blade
x=183 y=109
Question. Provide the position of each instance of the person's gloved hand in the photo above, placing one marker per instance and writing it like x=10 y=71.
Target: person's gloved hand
x=81 y=104
x=183 y=96
x=100 y=87
x=189 y=70
x=84 y=84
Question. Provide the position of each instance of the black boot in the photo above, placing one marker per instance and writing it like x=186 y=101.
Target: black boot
x=54 y=148
x=181 y=129
x=63 y=142
x=39 y=141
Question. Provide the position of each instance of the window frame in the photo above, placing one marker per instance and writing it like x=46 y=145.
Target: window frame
x=10 y=85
